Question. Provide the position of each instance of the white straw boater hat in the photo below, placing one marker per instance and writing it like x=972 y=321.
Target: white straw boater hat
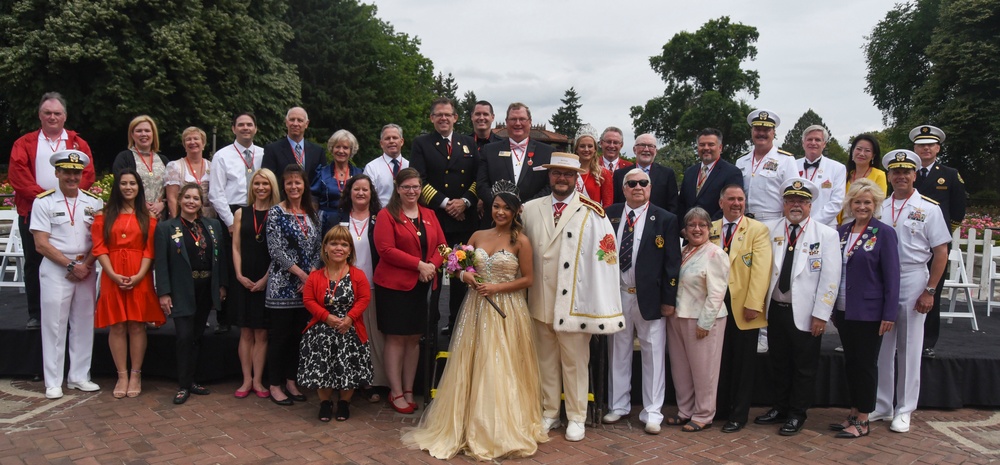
x=563 y=160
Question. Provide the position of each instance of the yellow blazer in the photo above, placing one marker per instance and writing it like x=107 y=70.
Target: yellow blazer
x=749 y=269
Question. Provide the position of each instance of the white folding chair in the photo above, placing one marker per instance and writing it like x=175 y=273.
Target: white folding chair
x=992 y=278
x=12 y=255
x=960 y=284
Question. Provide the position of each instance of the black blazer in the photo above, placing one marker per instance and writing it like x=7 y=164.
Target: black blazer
x=125 y=161
x=722 y=175
x=657 y=260
x=447 y=176
x=481 y=143
x=173 y=266
x=492 y=167
x=663 y=189
x=944 y=185
x=278 y=155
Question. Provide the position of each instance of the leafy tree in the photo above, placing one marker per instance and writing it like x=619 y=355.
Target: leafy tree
x=184 y=62
x=678 y=155
x=465 y=108
x=357 y=72
x=703 y=74
x=566 y=120
x=793 y=140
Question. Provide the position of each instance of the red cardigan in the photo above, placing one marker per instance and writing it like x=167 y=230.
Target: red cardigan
x=399 y=249
x=603 y=194
x=314 y=295
x=21 y=172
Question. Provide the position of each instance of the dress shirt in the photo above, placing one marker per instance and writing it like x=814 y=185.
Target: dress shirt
x=302 y=150
x=919 y=225
x=628 y=277
x=762 y=181
x=380 y=170
x=229 y=179
x=45 y=174
x=514 y=162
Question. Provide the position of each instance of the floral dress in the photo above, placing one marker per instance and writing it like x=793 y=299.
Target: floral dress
x=329 y=359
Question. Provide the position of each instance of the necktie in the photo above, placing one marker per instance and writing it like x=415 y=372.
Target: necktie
x=701 y=179
x=628 y=237
x=395 y=167
x=447 y=141
x=808 y=165
x=557 y=209
x=923 y=175
x=298 y=155
x=248 y=158
x=729 y=236
x=785 y=277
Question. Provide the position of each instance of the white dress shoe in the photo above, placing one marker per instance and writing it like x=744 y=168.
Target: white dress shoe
x=876 y=416
x=85 y=386
x=53 y=393
x=900 y=424
x=550 y=424
x=575 y=431
x=652 y=428
x=611 y=418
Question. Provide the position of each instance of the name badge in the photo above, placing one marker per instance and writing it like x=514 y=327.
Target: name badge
x=504 y=153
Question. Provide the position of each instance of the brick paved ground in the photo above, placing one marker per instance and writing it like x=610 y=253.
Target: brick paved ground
x=85 y=428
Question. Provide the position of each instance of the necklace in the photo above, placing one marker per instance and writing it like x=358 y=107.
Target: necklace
x=303 y=223
x=364 y=225
x=55 y=148
x=257 y=229
x=197 y=177
x=128 y=220
x=687 y=255
x=896 y=214
x=148 y=166
x=193 y=230
x=72 y=213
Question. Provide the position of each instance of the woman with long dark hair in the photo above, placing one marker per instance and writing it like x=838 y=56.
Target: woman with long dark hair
x=123 y=244
x=476 y=410
x=293 y=240
x=862 y=163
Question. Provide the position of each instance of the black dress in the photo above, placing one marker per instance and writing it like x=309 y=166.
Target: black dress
x=404 y=313
x=249 y=306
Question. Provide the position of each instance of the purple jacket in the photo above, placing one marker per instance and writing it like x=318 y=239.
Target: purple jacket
x=872 y=290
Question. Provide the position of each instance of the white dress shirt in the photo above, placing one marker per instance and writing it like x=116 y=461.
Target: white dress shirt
x=762 y=180
x=45 y=174
x=380 y=170
x=229 y=178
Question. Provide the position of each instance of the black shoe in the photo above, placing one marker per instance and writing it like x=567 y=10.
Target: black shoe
x=295 y=397
x=792 y=427
x=199 y=389
x=222 y=329
x=182 y=396
x=929 y=353
x=285 y=402
x=343 y=410
x=325 y=411
x=446 y=331
x=772 y=417
x=732 y=426
x=33 y=323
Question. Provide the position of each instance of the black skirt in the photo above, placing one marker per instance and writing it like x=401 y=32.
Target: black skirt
x=402 y=313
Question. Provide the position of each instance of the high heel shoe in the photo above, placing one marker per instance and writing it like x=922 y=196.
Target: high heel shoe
x=120 y=390
x=405 y=410
x=137 y=376
x=413 y=405
x=845 y=434
x=842 y=426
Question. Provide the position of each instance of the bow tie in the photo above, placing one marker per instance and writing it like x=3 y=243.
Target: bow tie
x=520 y=146
x=813 y=165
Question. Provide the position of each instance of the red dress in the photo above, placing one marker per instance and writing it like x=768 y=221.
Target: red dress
x=603 y=193
x=140 y=303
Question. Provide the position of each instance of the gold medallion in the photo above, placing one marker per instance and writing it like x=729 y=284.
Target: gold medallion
x=791 y=249
x=123 y=235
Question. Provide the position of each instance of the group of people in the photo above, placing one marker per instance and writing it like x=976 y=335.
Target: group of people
x=333 y=292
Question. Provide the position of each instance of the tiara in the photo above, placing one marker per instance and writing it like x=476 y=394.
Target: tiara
x=505 y=185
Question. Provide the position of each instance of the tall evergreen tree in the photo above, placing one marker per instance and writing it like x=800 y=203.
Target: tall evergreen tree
x=793 y=140
x=566 y=120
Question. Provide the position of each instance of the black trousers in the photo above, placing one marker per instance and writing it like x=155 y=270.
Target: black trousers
x=736 y=373
x=932 y=324
x=283 y=343
x=32 y=260
x=189 y=332
x=456 y=289
x=861 y=346
x=795 y=360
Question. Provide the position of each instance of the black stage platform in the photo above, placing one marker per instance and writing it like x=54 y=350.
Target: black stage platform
x=965 y=373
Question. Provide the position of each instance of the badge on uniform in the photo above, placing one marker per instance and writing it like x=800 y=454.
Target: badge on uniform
x=89 y=211
x=57 y=214
x=659 y=241
x=673 y=282
x=826 y=184
x=465 y=150
x=814 y=249
x=504 y=153
x=779 y=239
x=748 y=259
x=940 y=180
x=815 y=264
x=616 y=220
x=771 y=165
x=870 y=244
x=177 y=236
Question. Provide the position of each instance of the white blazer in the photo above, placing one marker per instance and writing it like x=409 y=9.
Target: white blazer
x=831 y=178
x=815 y=270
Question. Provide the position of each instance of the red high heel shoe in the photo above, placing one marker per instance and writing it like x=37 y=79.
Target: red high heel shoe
x=405 y=410
x=413 y=405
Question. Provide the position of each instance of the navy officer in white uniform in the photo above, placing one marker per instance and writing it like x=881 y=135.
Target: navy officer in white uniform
x=923 y=237
x=60 y=225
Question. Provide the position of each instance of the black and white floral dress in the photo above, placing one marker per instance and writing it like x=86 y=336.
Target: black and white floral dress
x=328 y=359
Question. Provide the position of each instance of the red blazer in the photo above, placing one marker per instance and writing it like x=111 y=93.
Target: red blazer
x=399 y=249
x=603 y=194
x=314 y=296
x=21 y=172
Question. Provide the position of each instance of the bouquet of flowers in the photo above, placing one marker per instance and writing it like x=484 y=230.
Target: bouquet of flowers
x=458 y=258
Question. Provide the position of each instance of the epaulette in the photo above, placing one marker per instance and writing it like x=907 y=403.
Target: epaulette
x=591 y=204
x=935 y=202
x=786 y=153
x=45 y=194
x=90 y=194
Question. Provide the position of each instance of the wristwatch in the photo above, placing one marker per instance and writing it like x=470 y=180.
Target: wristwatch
x=931 y=290
x=468 y=204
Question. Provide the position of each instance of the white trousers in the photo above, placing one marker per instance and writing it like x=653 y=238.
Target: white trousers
x=67 y=314
x=653 y=347
x=904 y=343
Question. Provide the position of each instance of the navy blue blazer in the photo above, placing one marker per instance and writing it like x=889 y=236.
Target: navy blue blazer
x=663 y=191
x=657 y=261
x=278 y=155
x=872 y=290
x=722 y=175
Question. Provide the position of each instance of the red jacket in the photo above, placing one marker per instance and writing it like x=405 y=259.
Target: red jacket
x=314 y=297
x=399 y=249
x=604 y=193
x=21 y=172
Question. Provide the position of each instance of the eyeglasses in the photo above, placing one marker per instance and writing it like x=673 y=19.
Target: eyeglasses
x=517 y=120
x=632 y=183
x=646 y=146
x=442 y=115
x=410 y=188
x=562 y=174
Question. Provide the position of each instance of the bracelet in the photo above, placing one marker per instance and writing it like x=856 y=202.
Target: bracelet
x=461 y=274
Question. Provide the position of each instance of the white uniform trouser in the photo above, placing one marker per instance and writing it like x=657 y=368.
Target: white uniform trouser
x=906 y=339
x=66 y=303
x=653 y=347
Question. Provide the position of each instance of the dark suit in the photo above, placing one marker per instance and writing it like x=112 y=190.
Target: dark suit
x=492 y=168
x=945 y=186
x=722 y=175
x=657 y=264
x=448 y=175
x=663 y=192
x=279 y=154
x=481 y=143
x=872 y=296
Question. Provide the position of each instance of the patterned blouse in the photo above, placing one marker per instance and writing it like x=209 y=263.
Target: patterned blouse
x=152 y=181
x=291 y=240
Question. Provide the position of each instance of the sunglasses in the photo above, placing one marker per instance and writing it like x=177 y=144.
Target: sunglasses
x=633 y=183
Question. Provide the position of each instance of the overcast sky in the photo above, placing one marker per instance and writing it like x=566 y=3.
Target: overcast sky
x=809 y=54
